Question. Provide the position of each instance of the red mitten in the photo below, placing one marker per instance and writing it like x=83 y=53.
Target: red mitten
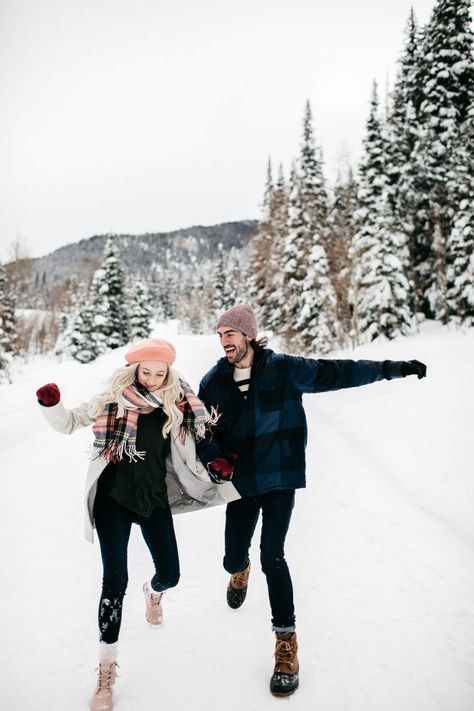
x=220 y=470
x=48 y=395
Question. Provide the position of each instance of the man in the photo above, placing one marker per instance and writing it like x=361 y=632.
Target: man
x=259 y=440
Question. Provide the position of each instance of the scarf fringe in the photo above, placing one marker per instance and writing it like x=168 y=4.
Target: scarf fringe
x=215 y=415
x=115 y=453
x=115 y=436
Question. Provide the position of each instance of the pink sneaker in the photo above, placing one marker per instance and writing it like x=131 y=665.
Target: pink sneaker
x=153 y=611
x=102 y=699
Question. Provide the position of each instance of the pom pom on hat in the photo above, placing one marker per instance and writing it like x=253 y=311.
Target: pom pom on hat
x=241 y=318
x=152 y=349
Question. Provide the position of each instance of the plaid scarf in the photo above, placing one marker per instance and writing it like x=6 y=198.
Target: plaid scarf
x=116 y=436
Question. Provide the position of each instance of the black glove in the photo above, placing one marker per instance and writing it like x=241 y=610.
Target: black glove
x=413 y=367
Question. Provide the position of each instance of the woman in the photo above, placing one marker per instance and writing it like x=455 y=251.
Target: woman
x=143 y=468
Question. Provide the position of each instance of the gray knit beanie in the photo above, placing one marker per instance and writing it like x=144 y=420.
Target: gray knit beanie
x=241 y=318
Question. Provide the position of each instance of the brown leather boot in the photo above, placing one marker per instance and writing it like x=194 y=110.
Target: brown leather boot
x=237 y=588
x=102 y=699
x=285 y=677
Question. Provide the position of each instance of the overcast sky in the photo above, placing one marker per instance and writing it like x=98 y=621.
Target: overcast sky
x=150 y=115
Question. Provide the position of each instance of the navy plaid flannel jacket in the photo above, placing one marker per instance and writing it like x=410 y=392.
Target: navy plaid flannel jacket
x=267 y=430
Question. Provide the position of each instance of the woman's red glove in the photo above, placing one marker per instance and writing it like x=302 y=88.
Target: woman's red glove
x=48 y=395
x=221 y=469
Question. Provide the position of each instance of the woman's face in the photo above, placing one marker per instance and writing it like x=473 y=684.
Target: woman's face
x=152 y=374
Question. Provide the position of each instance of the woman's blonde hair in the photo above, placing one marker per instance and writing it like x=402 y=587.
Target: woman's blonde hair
x=170 y=393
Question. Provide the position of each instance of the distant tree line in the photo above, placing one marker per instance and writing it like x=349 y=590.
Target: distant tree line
x=392 y=242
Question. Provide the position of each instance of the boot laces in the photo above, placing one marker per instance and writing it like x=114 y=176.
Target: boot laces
x=283 y=653
x=106 y=676
x=241 y=577
x=155 y=600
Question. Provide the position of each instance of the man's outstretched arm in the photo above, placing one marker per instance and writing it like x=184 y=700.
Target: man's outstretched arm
x=311 y=376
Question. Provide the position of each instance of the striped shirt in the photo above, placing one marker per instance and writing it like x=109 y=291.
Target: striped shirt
x=242 y=378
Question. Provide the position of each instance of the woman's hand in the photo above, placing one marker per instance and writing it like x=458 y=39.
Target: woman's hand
x=48 y=395
x=221 y=469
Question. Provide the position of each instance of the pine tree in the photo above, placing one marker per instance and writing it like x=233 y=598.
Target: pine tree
x=266 y=250
x=274 y=302
x=196 y=308
x=235 y=279
x=100 y=321
x=110 y=321
x=8 y=330
x=460 y=246
x=218 y=281
x=341 y=225
x=448 y=93
x=260 y=249
x=140 y=309
x=382 y=288
x=165 y=290
x=379 y=251
x=80 y=338
x=404 y=172
x=309 y=308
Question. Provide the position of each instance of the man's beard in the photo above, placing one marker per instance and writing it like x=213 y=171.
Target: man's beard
x=238 y=355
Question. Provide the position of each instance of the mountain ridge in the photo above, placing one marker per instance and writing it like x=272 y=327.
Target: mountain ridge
x=143 y=254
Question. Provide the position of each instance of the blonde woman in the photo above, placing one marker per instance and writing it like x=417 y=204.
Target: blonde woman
x=143 y=468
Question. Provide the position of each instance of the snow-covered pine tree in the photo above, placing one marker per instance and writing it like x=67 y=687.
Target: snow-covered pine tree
x=379 y=291
x=8 y=331
x=260 y=248
x=165 y=290
x=403 y=105
x=447 y=97
x=309 y=308
x=382 y=287
x=460 y=246
x=235 y=278
x=407 y=198
x=266 y=249
x=218 y=280
x=341 y=228
x=72 y=294
x=79 y=338
x=274 y=300
x=139 y=308
x=196 y=309
x=108 y=299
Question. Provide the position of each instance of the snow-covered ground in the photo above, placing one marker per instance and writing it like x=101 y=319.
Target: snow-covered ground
x=380 y=548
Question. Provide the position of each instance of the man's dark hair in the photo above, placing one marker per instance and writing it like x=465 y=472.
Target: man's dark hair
x=259 y=345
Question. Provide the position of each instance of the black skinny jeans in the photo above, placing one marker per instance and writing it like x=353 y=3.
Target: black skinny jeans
x=241 y=519
x=113 y=523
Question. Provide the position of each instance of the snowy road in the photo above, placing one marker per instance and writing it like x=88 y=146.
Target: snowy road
x=381 y=552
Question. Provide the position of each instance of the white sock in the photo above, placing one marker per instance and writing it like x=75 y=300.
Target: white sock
x=108 y=652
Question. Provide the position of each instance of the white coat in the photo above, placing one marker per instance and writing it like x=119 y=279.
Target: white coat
x=188 y=483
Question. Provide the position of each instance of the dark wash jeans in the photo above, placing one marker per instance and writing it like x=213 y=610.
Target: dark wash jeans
x=113 y=523
x=241 y=519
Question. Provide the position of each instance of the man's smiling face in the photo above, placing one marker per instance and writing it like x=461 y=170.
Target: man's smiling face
x=236 y=346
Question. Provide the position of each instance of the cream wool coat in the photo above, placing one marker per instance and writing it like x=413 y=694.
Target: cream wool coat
x=188 y=483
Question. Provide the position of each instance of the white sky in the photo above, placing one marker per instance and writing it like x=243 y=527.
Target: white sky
x=150 y=115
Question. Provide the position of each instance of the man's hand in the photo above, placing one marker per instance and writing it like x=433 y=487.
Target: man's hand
x=413 y=367
x=221 y=469
x=48 y=395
